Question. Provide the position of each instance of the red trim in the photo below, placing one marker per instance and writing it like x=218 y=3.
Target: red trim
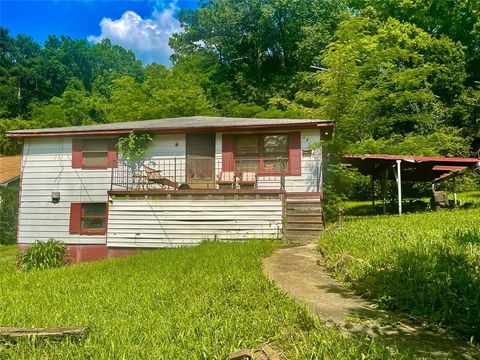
x=112 y=158
x=196 y=192
x=295 y=153
x=308 y=125
x=77 y=156
x=414 y=158
x=228 y=161
x=87 y=253
x=75 y=218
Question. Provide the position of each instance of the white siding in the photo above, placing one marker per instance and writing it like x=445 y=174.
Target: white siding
x=47 y=167
x=163 y=150
x=168 y=223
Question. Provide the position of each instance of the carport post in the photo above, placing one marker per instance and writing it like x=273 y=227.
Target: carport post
x=454 y=191
x=398 y=177
x=373 y=195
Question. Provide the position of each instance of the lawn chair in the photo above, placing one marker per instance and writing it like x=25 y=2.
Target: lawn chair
x=248 y=180
x=226 y=180
x=156 y=177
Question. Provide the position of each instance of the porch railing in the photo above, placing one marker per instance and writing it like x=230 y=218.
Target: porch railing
x=180 y=173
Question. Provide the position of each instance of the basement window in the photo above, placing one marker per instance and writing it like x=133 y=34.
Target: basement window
x=94 y=219
x=88 y=218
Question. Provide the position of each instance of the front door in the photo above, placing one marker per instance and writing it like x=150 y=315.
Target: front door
x=201 y=161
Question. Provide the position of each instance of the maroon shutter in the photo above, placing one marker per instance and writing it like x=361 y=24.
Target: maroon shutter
x=77 y=157
x=228 y=162
x=112 y=161
x=75 y=217
x=295 y=153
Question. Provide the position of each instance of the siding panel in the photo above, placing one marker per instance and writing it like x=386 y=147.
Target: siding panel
x=47 y=167
x=144 y=223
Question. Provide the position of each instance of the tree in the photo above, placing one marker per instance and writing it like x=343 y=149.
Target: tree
x=259 y=44
x=457 y=19
x=387 y=78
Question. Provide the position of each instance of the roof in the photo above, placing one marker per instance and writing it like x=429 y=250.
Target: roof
x=414 y=168
x=195 y=123
x=9 y=168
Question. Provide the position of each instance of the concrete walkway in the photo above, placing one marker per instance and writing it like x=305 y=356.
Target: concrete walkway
x=299 y=272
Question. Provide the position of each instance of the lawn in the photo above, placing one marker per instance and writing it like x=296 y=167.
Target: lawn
x=426 y=265
x=7 y=258
x=187 y=303
x=364 y=208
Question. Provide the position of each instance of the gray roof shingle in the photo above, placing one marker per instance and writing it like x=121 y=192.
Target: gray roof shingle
x=184 y=123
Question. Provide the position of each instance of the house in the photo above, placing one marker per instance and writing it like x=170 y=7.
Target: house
x=201 y=178
x=9 y=169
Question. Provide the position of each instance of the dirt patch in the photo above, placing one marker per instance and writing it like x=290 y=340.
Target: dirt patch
x=299 y=272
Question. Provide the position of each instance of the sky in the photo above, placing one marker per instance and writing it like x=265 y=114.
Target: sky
x=141 y=26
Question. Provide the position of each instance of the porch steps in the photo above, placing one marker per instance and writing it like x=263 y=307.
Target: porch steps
x=303 y=217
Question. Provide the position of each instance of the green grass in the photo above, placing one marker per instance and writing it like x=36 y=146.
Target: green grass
x=364 y=208
x=188 y=303
x=426 y=265
x=7 y=258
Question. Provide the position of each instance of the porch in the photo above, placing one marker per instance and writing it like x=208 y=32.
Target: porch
x=183 y=200
x=183 y=173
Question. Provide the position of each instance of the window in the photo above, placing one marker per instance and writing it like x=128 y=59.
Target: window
x=247 y=153
x=93 y=218
x=94 y=153
x=88 y=218
x=275 y=147
x=262 y=153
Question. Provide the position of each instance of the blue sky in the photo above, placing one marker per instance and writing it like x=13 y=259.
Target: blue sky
x=142 y=26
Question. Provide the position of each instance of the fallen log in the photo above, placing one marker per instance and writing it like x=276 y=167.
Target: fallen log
x=14 y=334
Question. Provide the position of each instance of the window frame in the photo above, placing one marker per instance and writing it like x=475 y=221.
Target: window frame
x=78 y=151
x=261 y=170
x=97 y=231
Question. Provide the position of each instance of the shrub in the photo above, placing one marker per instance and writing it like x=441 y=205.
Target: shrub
x=8 y=213
x=44 y=255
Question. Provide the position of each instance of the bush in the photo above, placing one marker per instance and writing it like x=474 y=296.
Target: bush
x=8 y=213
x=44 y=255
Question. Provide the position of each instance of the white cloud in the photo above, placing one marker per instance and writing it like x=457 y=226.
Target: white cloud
x=147 y=38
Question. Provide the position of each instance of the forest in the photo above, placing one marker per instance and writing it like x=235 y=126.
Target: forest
x=398 y=76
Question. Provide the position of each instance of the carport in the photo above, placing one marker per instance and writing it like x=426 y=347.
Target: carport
x=403 y=168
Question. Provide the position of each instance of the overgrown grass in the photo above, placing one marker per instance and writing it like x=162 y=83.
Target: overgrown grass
x=426 y=265
x=364 y=207
x=7 y=258
x=187 y=303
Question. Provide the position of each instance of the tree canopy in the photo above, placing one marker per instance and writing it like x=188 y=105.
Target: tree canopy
x=397 y=75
